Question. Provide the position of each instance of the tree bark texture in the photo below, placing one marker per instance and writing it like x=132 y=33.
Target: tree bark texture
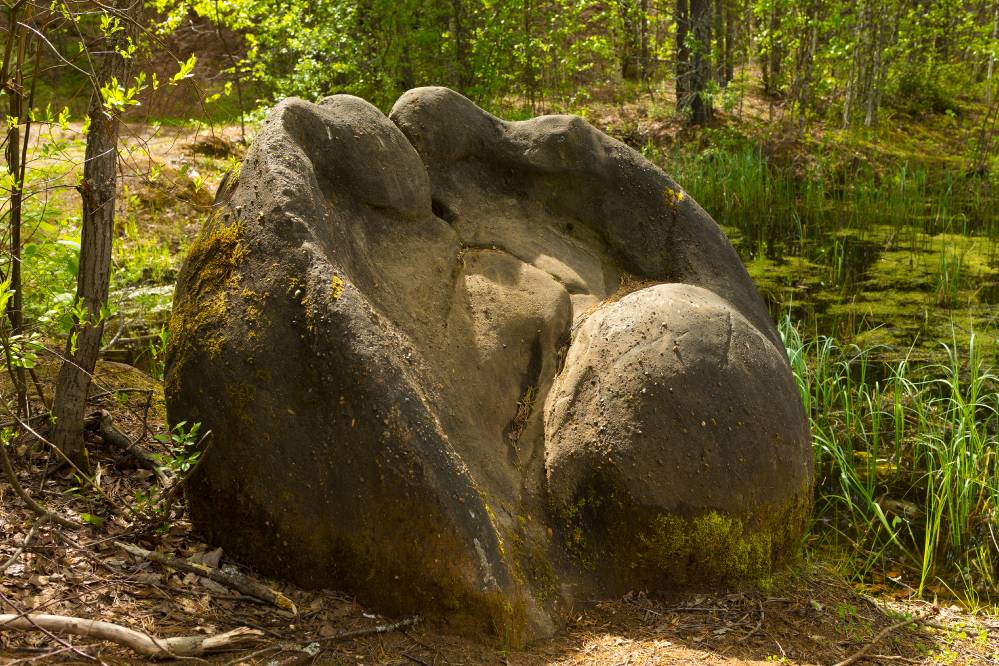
x=700 y=23
x=98 y=190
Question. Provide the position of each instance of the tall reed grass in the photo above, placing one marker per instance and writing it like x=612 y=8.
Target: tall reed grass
x=783 y=206
x=905 y=454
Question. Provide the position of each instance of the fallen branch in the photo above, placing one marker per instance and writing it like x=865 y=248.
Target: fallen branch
x=144 y=644
x=97 y=397
x=235 y=581
x=367 y=631
x=377 y=629
x=860 y=654
x=754 y=629
x=66 y=644
x=101 y=423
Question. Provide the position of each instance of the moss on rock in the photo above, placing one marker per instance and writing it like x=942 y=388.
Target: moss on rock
x=629 y=546
x=198 y=320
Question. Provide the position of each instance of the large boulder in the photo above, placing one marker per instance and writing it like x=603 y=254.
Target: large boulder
x=477 y=369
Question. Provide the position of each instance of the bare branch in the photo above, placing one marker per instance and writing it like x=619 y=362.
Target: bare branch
x=142 y=643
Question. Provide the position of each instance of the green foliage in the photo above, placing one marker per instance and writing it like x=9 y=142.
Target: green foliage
x=907 y=477
x=183 y=444
x=918 y=94
x=379 y=48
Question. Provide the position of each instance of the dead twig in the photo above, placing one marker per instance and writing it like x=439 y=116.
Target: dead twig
x=83 y=475
x=347 y=635
x=232 y=580
x=8 y=469
x=144 y=644
x=27 y=617
x=754 y=629
x=862 y=652
x=27 y=542
x=112 y=392
x=377 y=629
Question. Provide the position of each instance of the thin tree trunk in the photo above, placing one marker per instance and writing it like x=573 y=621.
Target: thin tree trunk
x=12 y=76
x=630 y=69
x=851 y=81
x=992 y=59
x=878 y=45
x=700 y=104
x=717 y=51
x=771 y=72
x=682 y=56
x=530 y=78
x=804 y=59
x=97 y=190
x=730 y=32
x=464 y=73
x=643 y=27
x=235 y=69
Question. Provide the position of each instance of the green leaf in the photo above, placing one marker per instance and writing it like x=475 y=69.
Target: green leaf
x=96 y=521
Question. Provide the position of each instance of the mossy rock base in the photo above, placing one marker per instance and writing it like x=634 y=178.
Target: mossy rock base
x=626 y=547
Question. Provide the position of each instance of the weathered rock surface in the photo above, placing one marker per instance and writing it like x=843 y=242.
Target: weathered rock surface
x=478 y=369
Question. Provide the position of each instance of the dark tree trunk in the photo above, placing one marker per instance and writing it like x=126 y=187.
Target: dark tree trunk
x=462 y=67
x=100 y=175
x=643 y=25
x=730 y=32
x=530 y=76
x=700 y=23
x=630 y=46
x=717 y=50
x=12 y=78
x=682 y=56
x=771 y=64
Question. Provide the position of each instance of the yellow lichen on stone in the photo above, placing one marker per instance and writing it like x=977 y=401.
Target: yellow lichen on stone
x=336 y=287
x=672 y=198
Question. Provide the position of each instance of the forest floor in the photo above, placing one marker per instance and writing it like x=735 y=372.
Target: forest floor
x=807 y=615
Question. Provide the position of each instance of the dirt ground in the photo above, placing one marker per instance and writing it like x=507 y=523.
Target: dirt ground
x=809 y=616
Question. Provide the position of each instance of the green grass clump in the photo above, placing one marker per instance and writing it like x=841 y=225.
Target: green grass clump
x=905 y=454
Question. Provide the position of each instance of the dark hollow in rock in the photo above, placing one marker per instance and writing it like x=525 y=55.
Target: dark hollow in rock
x=478 y=369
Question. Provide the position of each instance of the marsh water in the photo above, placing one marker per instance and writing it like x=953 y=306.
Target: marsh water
x=905 y=259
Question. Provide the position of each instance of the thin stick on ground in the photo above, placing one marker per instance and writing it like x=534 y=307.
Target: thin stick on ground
x=144 y=644
x=26 y=616
x=862 y=652
x=377 y=629
x=27 y=542
x=235 y=581
x=8 y=469
x=83 y=475
x=347 y=635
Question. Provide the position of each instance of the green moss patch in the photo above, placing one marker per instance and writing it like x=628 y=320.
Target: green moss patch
x=632 y=546
x=211 y=271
